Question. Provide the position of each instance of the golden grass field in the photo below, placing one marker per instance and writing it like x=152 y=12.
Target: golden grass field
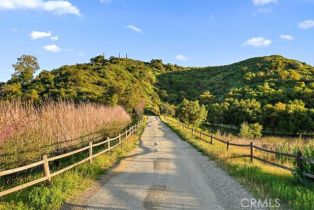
x=27 y=131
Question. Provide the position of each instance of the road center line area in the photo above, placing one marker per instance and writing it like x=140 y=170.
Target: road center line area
x=165 y=172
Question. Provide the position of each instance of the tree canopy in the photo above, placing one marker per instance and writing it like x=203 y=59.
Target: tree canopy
x=273 y=91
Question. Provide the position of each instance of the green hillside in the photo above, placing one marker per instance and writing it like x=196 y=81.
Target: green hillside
x=273 y=91
x=110 y=81
x=270 y=79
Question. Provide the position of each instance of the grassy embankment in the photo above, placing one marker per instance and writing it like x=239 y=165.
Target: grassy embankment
x=263 y=180
x=82 y=119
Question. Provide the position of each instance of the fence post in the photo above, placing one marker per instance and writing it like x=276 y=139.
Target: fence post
x=299 y=161
x=90 y=152
x=46 y=168
x=251 y=155
x=228 y=145
x=109 y=143
x=211 y=139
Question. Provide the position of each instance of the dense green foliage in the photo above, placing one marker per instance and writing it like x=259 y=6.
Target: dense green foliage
x=191 y=112
x=251 y=131
x=109 y=81
x=273 y=91
x=167 y=109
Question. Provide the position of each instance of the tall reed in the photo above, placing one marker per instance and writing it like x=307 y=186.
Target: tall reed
x=27 y=131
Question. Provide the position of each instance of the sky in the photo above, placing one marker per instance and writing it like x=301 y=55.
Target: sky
x=183 y=32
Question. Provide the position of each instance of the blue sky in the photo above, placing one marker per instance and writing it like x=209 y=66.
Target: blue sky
x=185 y=32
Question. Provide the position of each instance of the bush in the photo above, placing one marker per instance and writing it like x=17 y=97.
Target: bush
x=308 y=152
x=167 y=109
x=251 y=131
x=192 y=112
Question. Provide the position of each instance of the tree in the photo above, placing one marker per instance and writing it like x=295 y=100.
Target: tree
x=247 y=110
x=271 y=116
x=11 y=91
x=192 y=112
x=157 y=64
x=25 y=68
x=207 y=98
x=217 y=112
x=167 y=109
x=98 y=61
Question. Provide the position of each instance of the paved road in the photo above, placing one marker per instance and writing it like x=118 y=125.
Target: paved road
x=166 y=173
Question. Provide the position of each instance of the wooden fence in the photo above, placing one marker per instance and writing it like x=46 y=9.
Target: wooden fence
x=111 y=143
x=299 y=159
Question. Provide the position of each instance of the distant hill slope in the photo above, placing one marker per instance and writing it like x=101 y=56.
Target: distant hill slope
x=268 y=79
x=112 y=81
x=132 y=83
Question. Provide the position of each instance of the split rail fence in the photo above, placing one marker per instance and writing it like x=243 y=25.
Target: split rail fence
x=48 y=174
x=299 y=158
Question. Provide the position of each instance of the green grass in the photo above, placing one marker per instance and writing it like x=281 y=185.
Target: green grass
x=68 y=184
x=263 y=180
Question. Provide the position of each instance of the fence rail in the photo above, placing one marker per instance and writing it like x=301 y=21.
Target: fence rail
x=299 y=159
x=46 y=160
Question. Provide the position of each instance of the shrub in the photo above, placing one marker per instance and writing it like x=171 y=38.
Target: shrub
x=167 y=109
x=308 y=152
x=192 y=112
x=251 y=131
x=245 y=130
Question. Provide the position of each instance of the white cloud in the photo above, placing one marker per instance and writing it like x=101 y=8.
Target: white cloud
x=54 y=38
x=57 y=7
x=39 y=34
x=264 y=2
x=258 y=42
x=135 y=28
x=52 y=48
x=287 y=37
x=306 y=24
x=180 y=57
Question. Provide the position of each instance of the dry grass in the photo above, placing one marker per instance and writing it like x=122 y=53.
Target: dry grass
x=27 y=132
x=264 y=180
x=270 y=142
x=65 y=187
x=289 y=145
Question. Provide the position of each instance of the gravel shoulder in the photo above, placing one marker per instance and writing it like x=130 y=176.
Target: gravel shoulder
x=164 y=172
